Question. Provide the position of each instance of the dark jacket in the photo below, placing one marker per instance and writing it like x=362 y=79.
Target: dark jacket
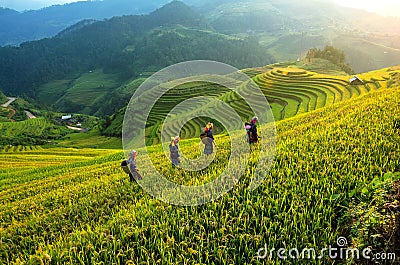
x=174 y=153
x=210 y=134
x=208 y=148
x=132 y=163
x=253 y=135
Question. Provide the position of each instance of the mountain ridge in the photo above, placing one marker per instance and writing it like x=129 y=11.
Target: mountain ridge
x=48 y=21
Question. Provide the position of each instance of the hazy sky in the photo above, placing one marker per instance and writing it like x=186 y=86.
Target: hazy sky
x=385 y=7
x=31 y=4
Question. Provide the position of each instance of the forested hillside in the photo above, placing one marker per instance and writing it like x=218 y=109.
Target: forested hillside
x=125 y=46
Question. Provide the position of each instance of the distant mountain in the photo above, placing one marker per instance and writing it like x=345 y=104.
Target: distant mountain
x=78 y=69
x=239 y=16
x=227 y=16
x=17 y=27
x=289 y=28
x=286 y=28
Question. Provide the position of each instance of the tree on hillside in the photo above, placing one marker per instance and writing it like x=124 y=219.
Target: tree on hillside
x=330 y=53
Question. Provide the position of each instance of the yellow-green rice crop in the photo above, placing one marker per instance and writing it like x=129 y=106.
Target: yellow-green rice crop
x=83 y=210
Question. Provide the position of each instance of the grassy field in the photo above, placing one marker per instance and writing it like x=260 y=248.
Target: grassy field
x=76 y=206
x=95 y=84
x=30 y=132
x=80 y=94
x=94 y=93
x=91 y=139
x=53 y=91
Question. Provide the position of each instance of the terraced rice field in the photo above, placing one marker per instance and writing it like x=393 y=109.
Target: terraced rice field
x=290 y=91
x=21 y=158
x=4 y=113
x=30 y=132
x=173 y=97
x=31 y=127
x=298 y=91
x=18 y=148
x=76 y=206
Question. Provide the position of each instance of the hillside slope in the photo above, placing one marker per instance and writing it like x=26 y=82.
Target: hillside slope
x=93 y=214
x=100 y=91
x=3 y=98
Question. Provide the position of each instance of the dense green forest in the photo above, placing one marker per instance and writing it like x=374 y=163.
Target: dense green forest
x=3 y=98
x=127 y=46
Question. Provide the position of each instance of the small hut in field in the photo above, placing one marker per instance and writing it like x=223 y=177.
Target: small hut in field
x=356 y=81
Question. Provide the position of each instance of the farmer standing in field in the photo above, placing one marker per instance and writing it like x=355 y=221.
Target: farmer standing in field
x=209 y=141
x=174 y=151
x=131 y=163
x=251 y=129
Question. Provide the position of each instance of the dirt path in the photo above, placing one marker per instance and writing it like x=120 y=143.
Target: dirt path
x=30 y=115
x=76 y=129
x=11 y=114
x=12 y=111
x=10 y=100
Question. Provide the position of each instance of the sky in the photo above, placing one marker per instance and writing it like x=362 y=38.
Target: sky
x=383 y=7
x=21 y=5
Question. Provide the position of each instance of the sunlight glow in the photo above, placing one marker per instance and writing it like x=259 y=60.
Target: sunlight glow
x=383 y=7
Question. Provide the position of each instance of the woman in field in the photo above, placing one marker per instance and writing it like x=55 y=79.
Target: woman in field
x=209 y=141
x=131 y=163
x=251 y=129
x=174 y=151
